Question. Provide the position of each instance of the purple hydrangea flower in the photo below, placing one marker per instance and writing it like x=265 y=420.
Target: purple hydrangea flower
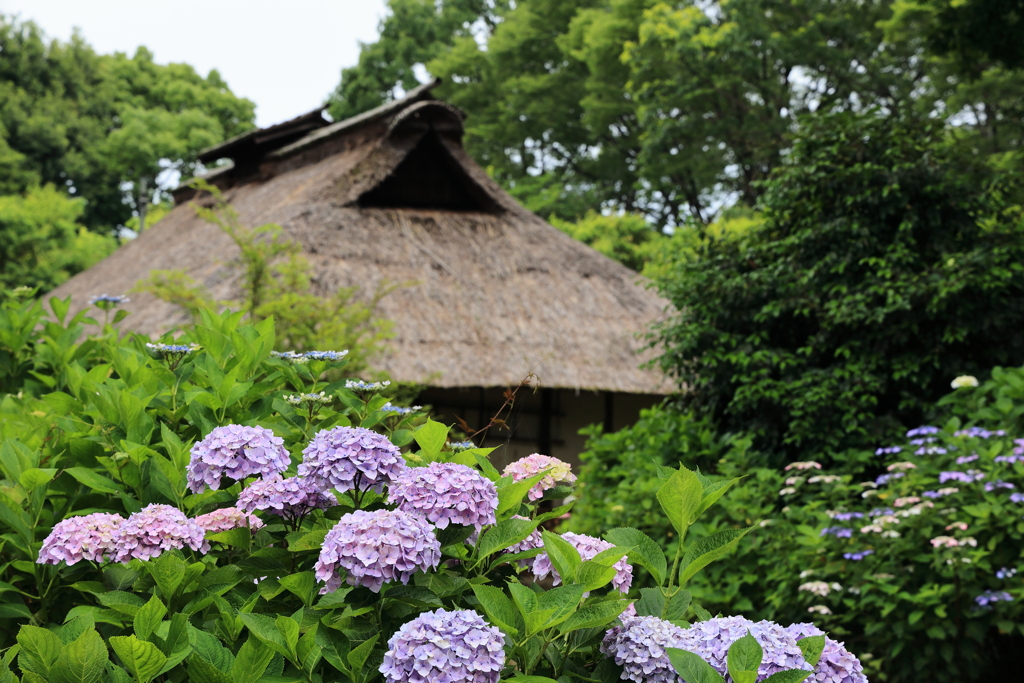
x=955 y=476
x=978 y=433
x=998 y=484
x=964 y=459
x=156 y=528
x=837 y=664
x=347 y=458
x=88 y=537
x=442 y=646
x=638 y=646
x=885 y=478
x=989 y=597
x=1017 y=497
x=711 y=640
x=847 y=516
x=446 y=493
x=226 y=519
x=531 y=542
x=930 y=450
x=837 y=531
x=558 y=473
x=882 y=512
x=921 y=442
x=923 y=431
x=1005 y=573
x=375 y=548
x=1010 y=459
x=289 y=498
x=236 y=452
x=887 y=451
x=858 y=556
x=588 y=547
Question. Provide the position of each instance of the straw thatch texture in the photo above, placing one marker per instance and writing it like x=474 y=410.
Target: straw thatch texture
x=498 y=292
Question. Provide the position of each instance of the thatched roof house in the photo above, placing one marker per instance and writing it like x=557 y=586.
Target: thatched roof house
x=391 y=194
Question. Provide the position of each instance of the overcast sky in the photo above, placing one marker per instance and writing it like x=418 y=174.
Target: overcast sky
x=285 y=56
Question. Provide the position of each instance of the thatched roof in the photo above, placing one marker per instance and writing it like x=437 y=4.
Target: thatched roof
x=391 y=195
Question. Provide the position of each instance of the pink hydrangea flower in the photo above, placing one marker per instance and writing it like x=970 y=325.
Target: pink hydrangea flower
x=453 y=647
x=226 y=519
x=347 y=458
x=289 y=498
x=446 y=493
x=88 y=537
x=558 y=473
x=155 y=529
x=588 y=547
x=235 y=452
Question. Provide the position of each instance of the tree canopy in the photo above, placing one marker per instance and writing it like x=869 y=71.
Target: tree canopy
x=102 y=127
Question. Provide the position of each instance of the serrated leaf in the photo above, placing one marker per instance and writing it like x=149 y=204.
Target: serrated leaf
x=40 y=649
x=431 y=437
x=708 y=549
x=93 y=481
x=562 y=600
x=251 y=661
x=83 y=660
x=208 y=647
x=302 y=585
x=812 y=647
x=691 y=667
x=168 y=572
x=265 y=629
x=73 y=628
x=594 y=575
x=597 y=615
x=289 y=630
x=149 y=617
x=499 y=609
x=504 y=534
x=643 y=550
x=202 y=671
x=358 y=656
x=680 y=498
x=524 y=599
x=789 y=676
x=714 y=490
x=564 y=557
x=314 y=540
x=142 y=660
x=744 y=659
x=238 y=537
x=510 y=497
x=702 y=614
x=126 y=603
x=454 y=534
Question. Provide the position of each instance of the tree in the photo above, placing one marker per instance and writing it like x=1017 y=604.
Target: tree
x=884 y=269
x=43 y=242
x=102 y=127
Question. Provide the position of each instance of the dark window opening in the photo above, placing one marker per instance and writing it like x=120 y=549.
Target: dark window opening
x=428 y=178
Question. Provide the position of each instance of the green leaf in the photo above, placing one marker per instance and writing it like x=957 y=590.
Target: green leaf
x=680 y=498
x=32 y=479
x=251 y=661
x=707 y=550
x=302 y=585
x=789 y=676
x=358 y=656
x=692 y=668
x=504 y=534
x=655 y=603
x=564 y=557
x=265 y=629
x=677 y=605
x=142 y=660
x=177 y=644
x=643 y=550
x=562 y=602
x=510 y=496
x=314 y=540
x=744 y=658
x=431 y=436
x=91 y=480
x=202 y=671
x=594 y=575
x=499 y=609
x=239 y=537
x=126 y=603
x=524 y=598
x=75 y=627
x=168 y=572
x=454 y=534
x=116 y=674
x=713 y=491
x=40 y=649
x=812 y=647
x=149 y=617
x=289 y=630
x=208 y=647
x=702 y=614
x=83 y=660
x=596 y=615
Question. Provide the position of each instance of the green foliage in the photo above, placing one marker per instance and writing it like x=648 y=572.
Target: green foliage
x=41 y=241
x=628 y=239
x=105 y=424
x=95 y=123
x=882 y=270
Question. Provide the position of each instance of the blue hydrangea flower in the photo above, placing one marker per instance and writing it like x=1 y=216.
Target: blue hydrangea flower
x=884 y=479
x=1005 y=573
x=923 y=431
x=399 y=410
x=846 y=516
x=446 y=493
x=891 y=450
x=235 y=452
x=374 y=548
x=998 y=484
x=445 y=647
x=171 y=351
x=639 y=647
x=107 y=301
x=882 y=512
x=991 y=597
x=350 y=458
x=459 y=446
x=360 y=385
x=837 y=664
x=858 y=556
x=837 y=531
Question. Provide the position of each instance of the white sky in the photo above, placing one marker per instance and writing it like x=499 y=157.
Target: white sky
x=284 y=56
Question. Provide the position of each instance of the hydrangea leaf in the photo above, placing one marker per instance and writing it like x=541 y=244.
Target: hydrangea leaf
x=431 y=437
x=499 y=608
x=707 y=550
x=564 y=557
x=812 y=647
x=562 y=600
x=597 y=615
x=252 y=660
x=358 y=656
x=744 y=659
x=691 y=667
x=148 y=618
x=82 y=661
x=510 y=496
x=680 y=498
x=504 y=534
x=643 y=550
x=594 y=575
x=168 y=572
x=40 y=649
x=143 y=660
x=790 y=676
x=265 y=629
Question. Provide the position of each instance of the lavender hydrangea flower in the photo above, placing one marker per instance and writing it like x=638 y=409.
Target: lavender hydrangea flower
x=226 y=519
x=1010 y=459
x=289 y=498
x=846 y=516
x=923 y=431
x=155 y=529
x=88 y=537
x=446 y=493
x=375 y=548
x=885 y=478
x=558 y=473
x=453 y=647
x=891 y=450
x=588 y=547
x=347 y=458
x=837 y=531
x=990 y=597
x=236 y=452
x=837 y=664
x=998 y=484
x=638 y=646
x=858 y=556
x=710 y=640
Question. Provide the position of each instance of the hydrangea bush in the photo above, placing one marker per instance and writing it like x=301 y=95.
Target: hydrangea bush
x=197 y=525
